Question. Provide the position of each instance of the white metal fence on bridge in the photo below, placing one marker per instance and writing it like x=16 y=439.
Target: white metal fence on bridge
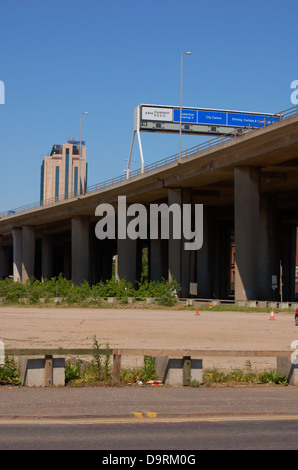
x=212 y=142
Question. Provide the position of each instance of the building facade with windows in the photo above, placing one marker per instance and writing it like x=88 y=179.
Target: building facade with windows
x=60 y=172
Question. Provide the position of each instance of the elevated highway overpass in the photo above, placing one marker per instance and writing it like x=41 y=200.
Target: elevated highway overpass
x=248 y=185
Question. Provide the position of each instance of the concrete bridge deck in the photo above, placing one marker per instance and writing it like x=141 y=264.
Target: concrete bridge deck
x=248 y=187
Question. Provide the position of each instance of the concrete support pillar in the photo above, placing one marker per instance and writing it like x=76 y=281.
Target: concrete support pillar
x=115 y=261
x=28 y=252
x=178 y=257
x=67 y=260
x=5 y=261
x=17 y=253
x=127 y=258
x=222 y=260
x=46 y=257
x=139 y=261
x=102 y=260
x=185 y=254
x=269 y=254
x=205 y=256
x=193 y=264
x=247 y=230
x=288 y=261
x=174 y=245
x=158 y=259
x=80 y=253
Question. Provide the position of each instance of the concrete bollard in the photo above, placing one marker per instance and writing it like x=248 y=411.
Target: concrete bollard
x=178 y=371
x=40 y=372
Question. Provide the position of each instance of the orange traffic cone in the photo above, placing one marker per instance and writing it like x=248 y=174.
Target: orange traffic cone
x=272 y=315
x=197 y=312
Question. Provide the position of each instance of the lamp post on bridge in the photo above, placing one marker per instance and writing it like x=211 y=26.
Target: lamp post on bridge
x=180 y=129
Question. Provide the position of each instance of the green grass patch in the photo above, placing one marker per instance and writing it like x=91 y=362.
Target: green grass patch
x=99 y=371
x=84 y=294
x=9 y=371
x=245 y=376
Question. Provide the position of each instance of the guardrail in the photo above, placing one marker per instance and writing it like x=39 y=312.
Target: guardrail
x=211 y=143
x=146 y=352
x=185 y=354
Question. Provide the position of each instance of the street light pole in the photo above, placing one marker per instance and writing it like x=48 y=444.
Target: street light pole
x=181 y=78
x=80 y=159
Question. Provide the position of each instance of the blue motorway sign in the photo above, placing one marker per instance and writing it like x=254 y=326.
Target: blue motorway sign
x=243 y=120
x=212 y=118
x=188 y=115
x=199 y=121
x=219 y=118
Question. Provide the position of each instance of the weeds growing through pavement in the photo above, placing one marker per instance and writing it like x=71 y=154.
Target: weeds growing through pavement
x=9 y=371
x=245 y=376
x=99 y=369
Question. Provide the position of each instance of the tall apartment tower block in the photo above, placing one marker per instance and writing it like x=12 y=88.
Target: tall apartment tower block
x=60 y=172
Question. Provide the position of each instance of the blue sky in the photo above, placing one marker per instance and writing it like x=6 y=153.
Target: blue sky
x=59 y=58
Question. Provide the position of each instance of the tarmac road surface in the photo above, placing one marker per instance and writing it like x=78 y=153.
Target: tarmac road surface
x=171 y=438
x=156 y=417
x=146 y=402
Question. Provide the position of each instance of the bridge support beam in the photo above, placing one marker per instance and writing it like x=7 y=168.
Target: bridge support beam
x=268 y=254
x=80 y=249
x=46 y=257
x=288 y=261
x=247 y=230
x=222 y=260
x=213 y=265
x=102 y=259
x=261 y=242
x=158 y=256
x=28 y=252
x=174 y=245
x=205 y=256
x=5 y=261
x=178 y=257
x=17 y=253
x=127 y=250
x=186 y=198
x=67 y=260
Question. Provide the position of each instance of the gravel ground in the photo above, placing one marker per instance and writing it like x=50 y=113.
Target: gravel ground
x=34 y=327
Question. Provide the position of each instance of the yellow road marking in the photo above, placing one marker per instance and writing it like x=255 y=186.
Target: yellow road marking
x=90 y=421
x=150 y=414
